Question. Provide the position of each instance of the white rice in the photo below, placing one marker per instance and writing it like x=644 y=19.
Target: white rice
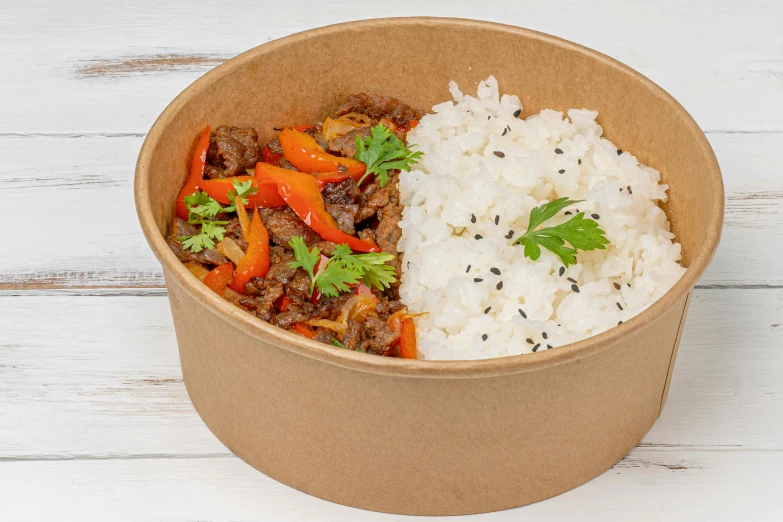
x=460 y=176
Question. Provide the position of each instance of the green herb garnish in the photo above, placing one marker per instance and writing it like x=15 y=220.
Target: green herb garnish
x=343 y=268
x=382 y=151
x=337 y=343
x=202 y=208
x=578 y=232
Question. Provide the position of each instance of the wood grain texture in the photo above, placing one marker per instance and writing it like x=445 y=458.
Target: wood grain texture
x=102 y=379
x=647 y=486
x=89 y=235
x=726 y=83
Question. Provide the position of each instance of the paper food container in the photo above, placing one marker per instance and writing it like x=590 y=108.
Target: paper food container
x=419 y=437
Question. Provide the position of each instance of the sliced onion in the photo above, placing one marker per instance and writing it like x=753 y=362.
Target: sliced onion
x=197 y=270
x=357 y=308
x=395 y=320
x=331 y=325
x=345 y=124
x=231 y=249
x=244 y=222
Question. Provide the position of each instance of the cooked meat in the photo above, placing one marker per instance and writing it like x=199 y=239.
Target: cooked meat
x=278 y=269
x=344 y=215
x=283 y=224
x=299 y=285
x=231 y=151
x=330 y=308
x=373 y=336
x=287 y=319
x=326 y=247
x=387 y=307
x=324 y=335
x=345 y=145
x=368 y=235
x=344 y=193
x=274 y=148
x=234 y=231
x=371 y=201
x=261 y=296
x=388 y=232
x=377 y=107
x=183 y=228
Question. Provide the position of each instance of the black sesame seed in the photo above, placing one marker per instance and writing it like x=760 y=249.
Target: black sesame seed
x=495 y=271
x=530 y=341
x=575 y=288
x=478 y=236
x=558 y=151
x=628 y=285
x=619 y=152
x=408 y=265
x=489 y=117
x=467 y=269
x=571 y=279
x=619 y=323
x=616 y=286
x=621 y=189
x=568 y=213
x=562 y=271
x=522 y=313
x=561 y=171
x=544 y=335
x=497 y=219
x=595 y=216
x=508 y=127
x=484 y=337
x=499 y=286
x=510 y=234
x=504 y=132
x=517 y=113
x=487 y=309
x=548 y=346
x=579 y=161
x=628 y=188
x=477 y=280
x=500 y=154
x=619 y=306
x=473 y=218
x=536 y=347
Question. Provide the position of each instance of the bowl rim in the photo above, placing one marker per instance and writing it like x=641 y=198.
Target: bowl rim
x=404 y=367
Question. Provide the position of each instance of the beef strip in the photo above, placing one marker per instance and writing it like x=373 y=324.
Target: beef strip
x=180 y=228
x=373 y=336
x=325 y=335
x=231 y=151
x=387 y=307
x=345 y=145
x=261 y=296
x=343 y=193
x=289 y=318
x=275 y=148
x=377 y=107
x=388 y=232
x=344 y=215
x=278 y=267
x=234 y=231
x=283 y=224
x=299 y=286
x=372 y=200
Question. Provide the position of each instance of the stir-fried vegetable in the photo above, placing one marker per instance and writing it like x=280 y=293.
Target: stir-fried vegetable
x=408 y=339
x=197 y=166
x=255 y=262
x=253 y=193
x=334 y=128
x=220 y=277
x=303 y=195
x=304 y=153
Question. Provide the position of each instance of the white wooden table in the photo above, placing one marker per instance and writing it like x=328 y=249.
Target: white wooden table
x=95 y=423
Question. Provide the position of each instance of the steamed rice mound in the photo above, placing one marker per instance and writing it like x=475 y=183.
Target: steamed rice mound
x=461 y=187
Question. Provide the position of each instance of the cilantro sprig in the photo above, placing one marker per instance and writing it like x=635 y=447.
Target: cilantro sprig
x=202 y=209
x=578 y=232
x=382 y=151
x=343 y=269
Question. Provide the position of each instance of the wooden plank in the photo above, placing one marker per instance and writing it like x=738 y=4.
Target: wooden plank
x=127 y=61
x=648 y=485
x=89 y=235
x=99 y=377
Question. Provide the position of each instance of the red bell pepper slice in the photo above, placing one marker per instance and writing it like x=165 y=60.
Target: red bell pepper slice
x=255 y=262
x=220 y=277
x=303 y=152
x=412 y=124
x=266 y=197
x=196 y=173
x=408 y=339
x=304 y=330
x=302 y=128
x=284 y=302
x=302 y=194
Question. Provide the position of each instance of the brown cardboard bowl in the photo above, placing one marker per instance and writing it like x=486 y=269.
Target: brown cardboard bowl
x=422 y=437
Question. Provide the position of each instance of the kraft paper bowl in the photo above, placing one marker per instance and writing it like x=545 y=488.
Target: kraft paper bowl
x=420 y=437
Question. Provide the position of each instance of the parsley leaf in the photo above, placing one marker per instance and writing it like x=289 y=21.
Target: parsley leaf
x=382 y=151
x=375 y=272
x=578 y=232
x=242 y=190
x=201 y=207
x=343 y=269
x=305 y=258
